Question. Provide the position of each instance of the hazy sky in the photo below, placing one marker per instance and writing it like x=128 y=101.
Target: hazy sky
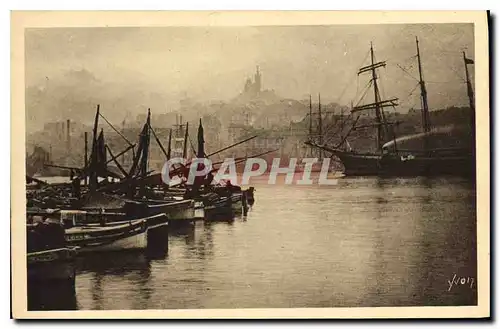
x=213 y=63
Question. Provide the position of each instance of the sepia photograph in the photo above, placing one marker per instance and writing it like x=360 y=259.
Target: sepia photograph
x=229 y=164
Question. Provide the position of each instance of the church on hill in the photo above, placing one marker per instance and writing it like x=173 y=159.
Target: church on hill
x=254 y=92
x=253 y=88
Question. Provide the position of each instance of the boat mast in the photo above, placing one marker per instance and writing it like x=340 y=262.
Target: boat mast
x=145 y=138
x=201 y=142
x=186 y=137
x=86 y=158
x=93 y=183
x=169 y=151
x=342 y=126
x=320 y=127
x=470 y=91
x=310 y=123
x=377 y=100
x=423 y=93
x=123 y=133
x=379 y=104
x=145 y=150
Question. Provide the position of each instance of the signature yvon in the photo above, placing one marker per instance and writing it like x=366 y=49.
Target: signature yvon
x=461 y=281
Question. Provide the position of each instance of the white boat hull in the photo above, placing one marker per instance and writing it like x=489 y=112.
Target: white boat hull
x=134 y=242
x=93 y=238
x=182 y=214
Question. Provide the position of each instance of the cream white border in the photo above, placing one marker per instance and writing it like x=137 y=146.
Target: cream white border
x=25 y=19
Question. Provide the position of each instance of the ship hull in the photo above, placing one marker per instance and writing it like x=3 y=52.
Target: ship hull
x=359 y=164
x=462 y=166
x=397 y=166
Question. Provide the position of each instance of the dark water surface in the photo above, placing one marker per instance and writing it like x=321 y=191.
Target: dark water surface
x=363 y=242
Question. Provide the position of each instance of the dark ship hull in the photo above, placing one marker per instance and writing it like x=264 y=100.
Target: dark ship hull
x=395 y=165
x=358 y=164
x=436 y=165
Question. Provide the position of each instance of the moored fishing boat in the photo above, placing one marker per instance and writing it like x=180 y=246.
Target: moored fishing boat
x=91 y=238
x=48 y=256
x=179 y=210
x=52 y=264
x=175 y=210
x=217 y=207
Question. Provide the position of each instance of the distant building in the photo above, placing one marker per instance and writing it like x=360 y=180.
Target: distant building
x=253 y=88
x=253 y=92
x=63 y=140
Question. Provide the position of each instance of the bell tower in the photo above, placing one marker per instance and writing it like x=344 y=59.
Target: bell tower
x=258 y=82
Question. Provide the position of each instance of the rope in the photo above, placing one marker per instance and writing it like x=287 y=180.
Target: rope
x=405 y=71
x=121 y=135
x=412 y=91
x=461 y=81
x=356 y=76
x=367 y=87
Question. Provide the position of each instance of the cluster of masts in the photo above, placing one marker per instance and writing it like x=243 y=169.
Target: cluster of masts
x=138 y=174
x=385 y=128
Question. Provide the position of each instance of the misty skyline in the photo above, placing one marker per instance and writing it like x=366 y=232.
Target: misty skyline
x=212 y=63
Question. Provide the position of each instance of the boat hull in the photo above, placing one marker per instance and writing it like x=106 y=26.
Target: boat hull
x=52 y=265
x=428 y=166
x=184 y=211
x=400 y=166
x=130 y=236
x=176 y=211
x=138 y=241
x=359 y=164
x=219 y=210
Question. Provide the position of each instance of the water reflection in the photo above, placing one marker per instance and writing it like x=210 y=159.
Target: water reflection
x=363 y=242
x=51 y=296
x=96 y=291
x=158 y=243
x=125 y=272
x=185 y=232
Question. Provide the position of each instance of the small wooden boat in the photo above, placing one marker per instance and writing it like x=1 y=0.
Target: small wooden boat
x=52 y=264
x=217 y=207
x=115 y=237
x=71 y=218
x=180 y=210
x=175 y=210
x=48 y=256
x=50 y=273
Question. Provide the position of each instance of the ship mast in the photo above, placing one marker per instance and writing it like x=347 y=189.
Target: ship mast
x=425 y=106
x=423 y=93
x=379 y=104
x=320 y=127
x=470 y=92
x=310 y=123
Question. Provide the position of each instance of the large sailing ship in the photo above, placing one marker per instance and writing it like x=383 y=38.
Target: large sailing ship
x=391 y=158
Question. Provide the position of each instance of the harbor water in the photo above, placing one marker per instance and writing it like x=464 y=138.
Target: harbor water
x=362 y=242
